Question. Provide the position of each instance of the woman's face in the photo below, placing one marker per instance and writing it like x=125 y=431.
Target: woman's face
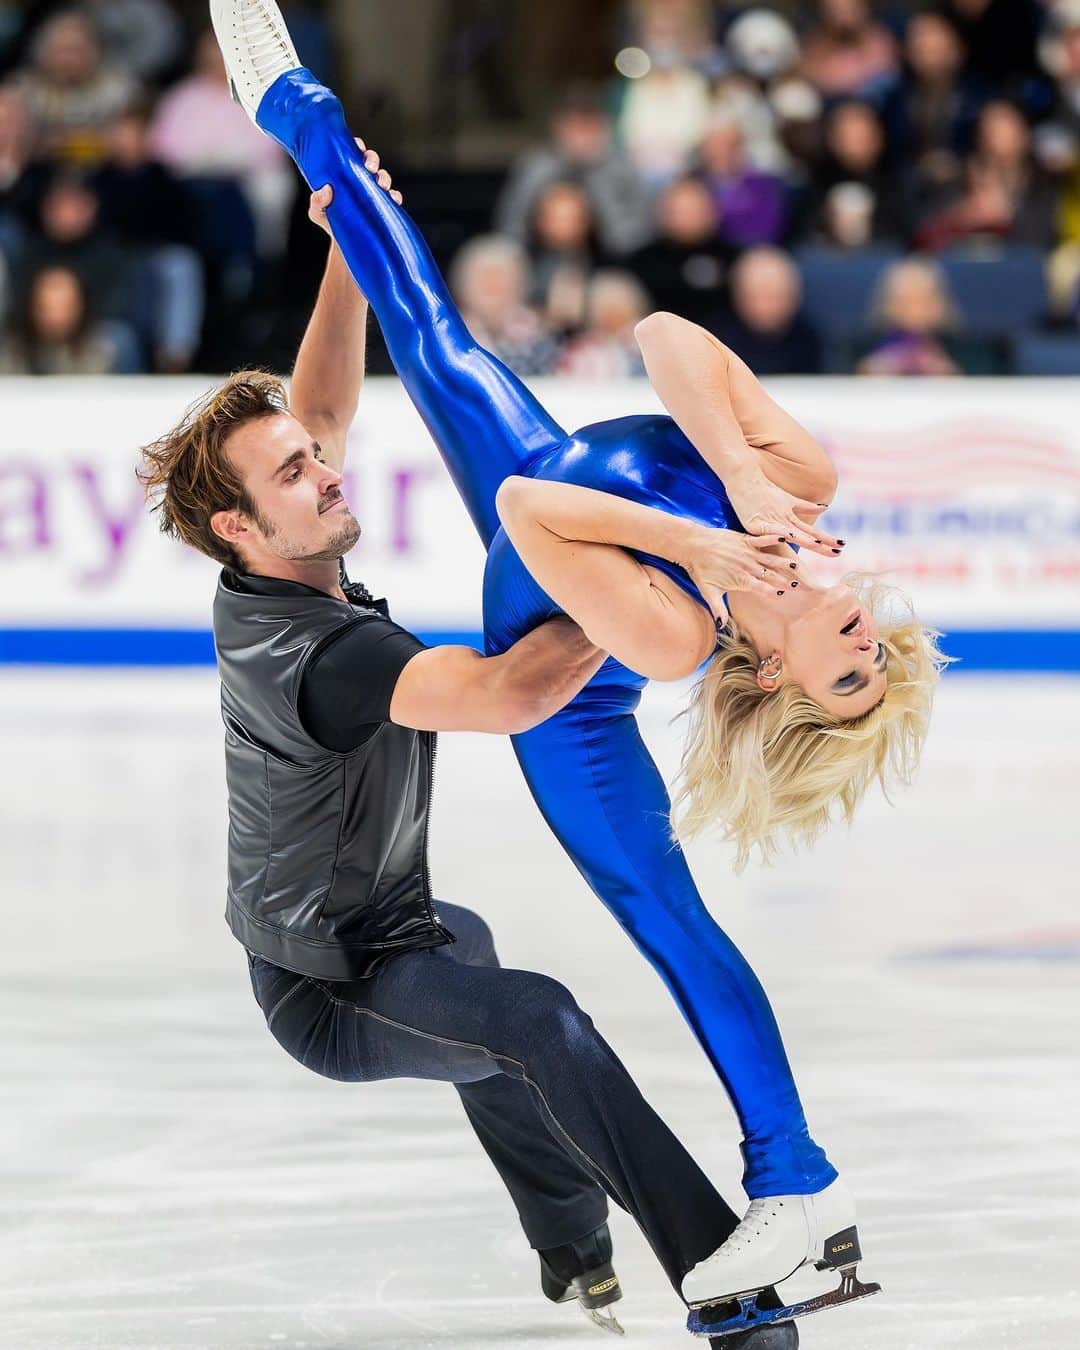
x=563 y=219
x=933 y=49
x=855 y=137
x=914 y=302
x=830 y=648
x=70 y=54
x=56 y=305
x=492 y=288
x=688 y=212
x=1003 y=132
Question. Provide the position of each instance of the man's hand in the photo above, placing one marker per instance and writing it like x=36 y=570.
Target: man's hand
x=324 y=197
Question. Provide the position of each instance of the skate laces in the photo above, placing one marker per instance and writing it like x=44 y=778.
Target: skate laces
x=268 y=49
x=756 y=1219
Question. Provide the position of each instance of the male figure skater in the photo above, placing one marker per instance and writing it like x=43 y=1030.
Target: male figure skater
x=331 y=712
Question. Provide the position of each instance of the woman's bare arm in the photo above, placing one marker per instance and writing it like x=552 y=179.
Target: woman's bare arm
x=574 y=540
x=720 y=406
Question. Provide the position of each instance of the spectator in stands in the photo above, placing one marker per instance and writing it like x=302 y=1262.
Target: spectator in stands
x=914 y=328
x=202 y=134
x=15 y=142
x=763 y=87
x=582 y=151
x=615 y=304
x=662 y=114
x=72 y=92
x=489 y=279
x=751 y=205
x=562 y=235
x=1005 y=196
x=72 y=236
x=846 y=218
x=143 y=36
x=684 y=269
x=146 y=206
x=56 y=333
x=680 y=32
x=930 y=117
x=855 y=156
x=847 y=52
x=764 y=324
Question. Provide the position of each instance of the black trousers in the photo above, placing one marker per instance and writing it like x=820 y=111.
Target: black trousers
x=555 y=1110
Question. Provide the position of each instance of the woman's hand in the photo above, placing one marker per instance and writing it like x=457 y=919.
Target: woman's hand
x=323 y=198
x=725 y=560
x=767 y=511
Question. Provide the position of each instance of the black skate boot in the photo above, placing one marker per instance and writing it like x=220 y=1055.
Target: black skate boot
x=583 y=1270
x=774 y=1336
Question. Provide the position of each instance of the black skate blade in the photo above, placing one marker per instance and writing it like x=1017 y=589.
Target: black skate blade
x=743 y=1313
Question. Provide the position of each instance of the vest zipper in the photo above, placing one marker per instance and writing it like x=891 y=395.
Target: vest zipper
x=433 y=744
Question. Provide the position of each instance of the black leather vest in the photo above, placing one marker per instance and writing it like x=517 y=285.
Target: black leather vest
x=328 y=872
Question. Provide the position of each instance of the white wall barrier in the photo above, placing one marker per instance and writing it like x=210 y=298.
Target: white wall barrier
x=966 y=492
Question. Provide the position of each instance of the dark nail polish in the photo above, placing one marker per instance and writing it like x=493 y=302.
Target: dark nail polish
x=793 y=566
x=836 y=550
x=779 y=592
x=794 y=584
x=817 y=541
x=841 y=542
x=784 y=538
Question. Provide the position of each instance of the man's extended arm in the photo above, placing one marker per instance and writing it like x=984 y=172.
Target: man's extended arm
x=457 y=689
x=329 y=370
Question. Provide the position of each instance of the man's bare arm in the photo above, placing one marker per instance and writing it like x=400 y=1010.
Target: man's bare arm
x=457 y=689
x=329 y=371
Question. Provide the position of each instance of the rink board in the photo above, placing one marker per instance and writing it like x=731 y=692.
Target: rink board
x=966 y=493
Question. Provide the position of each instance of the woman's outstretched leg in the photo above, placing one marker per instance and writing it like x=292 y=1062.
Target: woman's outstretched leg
x=603 y=797
x=483 y=419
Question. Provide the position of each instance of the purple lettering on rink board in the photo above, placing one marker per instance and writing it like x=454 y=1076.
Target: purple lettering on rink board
x=114 y=528
x=403 y=538
x=24 y=509
x=93 y=516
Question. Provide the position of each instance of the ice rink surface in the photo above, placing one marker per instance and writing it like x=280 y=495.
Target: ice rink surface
x=171 y=1179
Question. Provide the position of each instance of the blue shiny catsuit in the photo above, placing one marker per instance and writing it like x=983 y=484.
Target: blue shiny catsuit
x=587 y=767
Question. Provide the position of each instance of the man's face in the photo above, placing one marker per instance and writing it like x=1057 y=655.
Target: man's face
x=298 y=512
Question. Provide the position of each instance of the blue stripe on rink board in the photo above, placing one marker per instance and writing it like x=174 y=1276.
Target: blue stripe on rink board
x=975 y=649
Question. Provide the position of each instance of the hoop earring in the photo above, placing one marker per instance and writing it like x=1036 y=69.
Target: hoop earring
x=770 y=668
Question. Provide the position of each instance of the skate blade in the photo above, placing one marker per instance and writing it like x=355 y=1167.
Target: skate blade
x=605 y=1321
x=743 y=1313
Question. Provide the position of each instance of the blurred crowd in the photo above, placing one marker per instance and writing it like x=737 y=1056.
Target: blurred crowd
x=836 y=187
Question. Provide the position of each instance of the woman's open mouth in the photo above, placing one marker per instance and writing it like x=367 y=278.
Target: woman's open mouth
x=851 y=624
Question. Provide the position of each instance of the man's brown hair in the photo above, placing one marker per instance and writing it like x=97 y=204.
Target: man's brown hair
x=188 y=476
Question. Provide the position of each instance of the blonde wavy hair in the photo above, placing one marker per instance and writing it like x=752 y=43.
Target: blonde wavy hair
x=773 y=768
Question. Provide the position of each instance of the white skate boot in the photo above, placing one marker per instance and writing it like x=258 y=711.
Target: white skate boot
x=256 y=46
x=778 y=1236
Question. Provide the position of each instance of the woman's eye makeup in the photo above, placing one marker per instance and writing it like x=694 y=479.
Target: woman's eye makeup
x=853 y=678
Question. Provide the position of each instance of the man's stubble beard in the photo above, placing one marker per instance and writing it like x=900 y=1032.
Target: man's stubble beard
x=340 y=543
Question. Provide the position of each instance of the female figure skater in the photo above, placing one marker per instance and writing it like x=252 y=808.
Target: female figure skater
x=638 y=528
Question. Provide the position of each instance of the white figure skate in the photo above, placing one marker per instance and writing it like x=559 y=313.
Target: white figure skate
x=256 y=46
x=778 y=1236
